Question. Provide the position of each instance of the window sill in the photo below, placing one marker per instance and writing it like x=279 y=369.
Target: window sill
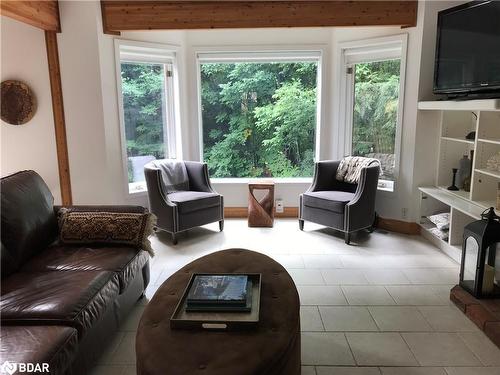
x=137 y=188
x=245 y=180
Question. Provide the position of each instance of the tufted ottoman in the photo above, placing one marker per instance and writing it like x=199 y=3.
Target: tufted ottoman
x=271 y=349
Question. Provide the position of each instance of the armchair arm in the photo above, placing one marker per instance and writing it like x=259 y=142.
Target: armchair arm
x=159 y=204
x=198 y=177
x=360 y=210
x=324 y=175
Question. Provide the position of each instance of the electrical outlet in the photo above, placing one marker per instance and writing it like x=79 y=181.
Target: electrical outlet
x=279 y=206
x=404 y=213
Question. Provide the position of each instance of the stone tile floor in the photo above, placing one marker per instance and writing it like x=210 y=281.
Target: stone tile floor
x=379 y=306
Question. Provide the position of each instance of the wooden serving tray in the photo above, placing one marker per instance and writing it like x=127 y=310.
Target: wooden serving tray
x=215 y=320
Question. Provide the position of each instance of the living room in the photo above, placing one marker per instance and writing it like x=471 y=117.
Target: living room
x=256 y=108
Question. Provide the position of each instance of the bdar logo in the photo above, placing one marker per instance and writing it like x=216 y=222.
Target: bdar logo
x=9 y=367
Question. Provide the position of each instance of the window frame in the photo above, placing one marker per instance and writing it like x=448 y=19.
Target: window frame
x=262 y=54
x=149 y=53
x=371 y=50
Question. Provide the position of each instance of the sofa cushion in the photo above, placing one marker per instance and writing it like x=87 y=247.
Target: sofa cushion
x=28 y=222
x=55 y=346
x=75 y=298
x=127 y=262
x=190 y=201
x=334 y=201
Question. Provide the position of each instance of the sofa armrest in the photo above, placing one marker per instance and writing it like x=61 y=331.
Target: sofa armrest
x=198 y=177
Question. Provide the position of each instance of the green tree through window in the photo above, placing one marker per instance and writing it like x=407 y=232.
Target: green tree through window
x=259 y=119
x=376 y=98
x=143 y=88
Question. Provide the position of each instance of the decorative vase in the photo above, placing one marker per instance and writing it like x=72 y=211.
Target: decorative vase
x=468 y=180
x=464 y=171
x=467 y=183
x=453 y=186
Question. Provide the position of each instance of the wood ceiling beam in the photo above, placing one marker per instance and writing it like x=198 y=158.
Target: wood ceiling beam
x=41 y=14
x=59 y=119
x=182 y=14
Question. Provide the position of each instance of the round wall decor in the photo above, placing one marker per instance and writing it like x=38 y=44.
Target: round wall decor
x=18 y=102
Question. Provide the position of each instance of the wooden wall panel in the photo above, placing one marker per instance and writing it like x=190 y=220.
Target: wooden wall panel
x=391 y=225
x=41 y=14
x=398 y=226
x=162 y=15
x=59 y=121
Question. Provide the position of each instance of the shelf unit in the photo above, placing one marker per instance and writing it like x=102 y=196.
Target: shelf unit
x=455 y=121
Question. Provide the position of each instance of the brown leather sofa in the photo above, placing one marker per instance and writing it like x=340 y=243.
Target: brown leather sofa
x=59 y=304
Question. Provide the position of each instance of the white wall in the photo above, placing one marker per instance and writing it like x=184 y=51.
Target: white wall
x=92 y=177
x=88 y=72
x=32 y=145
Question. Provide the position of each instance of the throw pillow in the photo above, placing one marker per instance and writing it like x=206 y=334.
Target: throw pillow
x=441 y=234
x=441 y=221
x=349 y=169
x=117 y=228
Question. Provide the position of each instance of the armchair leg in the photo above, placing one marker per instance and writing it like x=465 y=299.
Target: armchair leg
x=301 y=224
x=221 y=225
x=174 y=239
x=347 y=237
x=374 y=224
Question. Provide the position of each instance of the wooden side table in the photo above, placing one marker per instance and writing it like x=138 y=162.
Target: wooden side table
x=261 y=212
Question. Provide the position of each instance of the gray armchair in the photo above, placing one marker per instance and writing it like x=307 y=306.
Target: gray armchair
x=181 y=210
x=337 y=204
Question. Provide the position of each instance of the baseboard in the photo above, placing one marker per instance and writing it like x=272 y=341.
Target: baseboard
x=398 y=226
x=242 y=212
x=391 y=225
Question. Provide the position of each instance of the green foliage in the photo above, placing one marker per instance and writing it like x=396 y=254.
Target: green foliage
x=259 y=119
x=143 y=87
x=375 y=108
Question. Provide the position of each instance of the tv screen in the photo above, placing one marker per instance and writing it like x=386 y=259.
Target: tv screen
x=468 y=49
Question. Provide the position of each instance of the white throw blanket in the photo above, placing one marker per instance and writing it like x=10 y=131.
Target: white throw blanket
x=349 y=169
x=173 y=175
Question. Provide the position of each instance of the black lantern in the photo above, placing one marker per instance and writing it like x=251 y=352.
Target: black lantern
x=479 y=253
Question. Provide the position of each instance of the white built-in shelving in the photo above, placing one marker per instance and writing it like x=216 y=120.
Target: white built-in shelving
x=461 y=105
x=456 y=120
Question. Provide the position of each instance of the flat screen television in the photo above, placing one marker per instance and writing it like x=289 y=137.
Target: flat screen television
x=468 y=50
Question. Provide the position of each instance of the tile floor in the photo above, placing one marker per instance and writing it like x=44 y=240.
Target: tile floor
x=378 y=307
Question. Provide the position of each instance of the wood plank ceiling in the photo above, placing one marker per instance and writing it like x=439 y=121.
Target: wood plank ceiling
x=203 y=14
x=41 y=14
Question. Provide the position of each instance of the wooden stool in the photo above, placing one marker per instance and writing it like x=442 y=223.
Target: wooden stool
x=261 y=213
